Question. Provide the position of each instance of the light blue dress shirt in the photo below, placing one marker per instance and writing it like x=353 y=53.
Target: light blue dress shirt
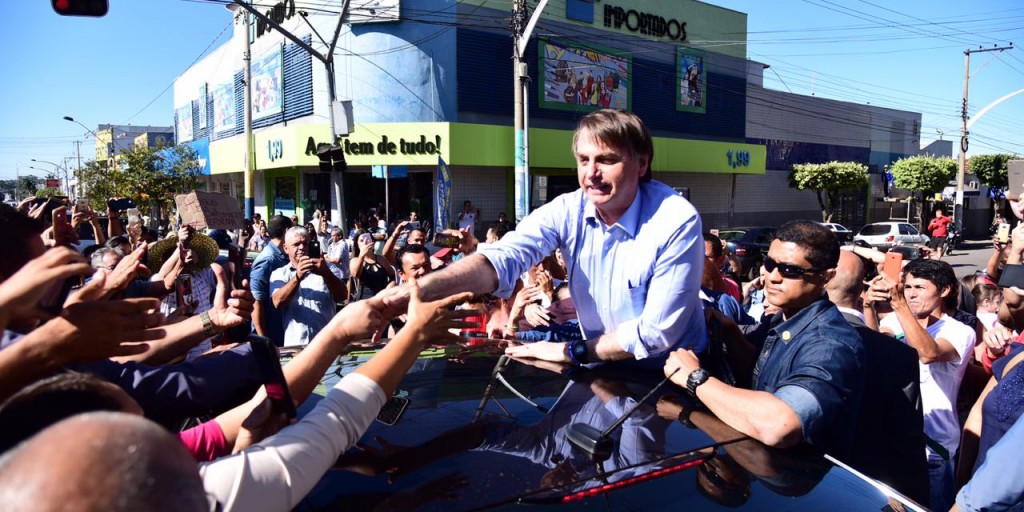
x=639 y=277
x=309 y=310
x=999 y=483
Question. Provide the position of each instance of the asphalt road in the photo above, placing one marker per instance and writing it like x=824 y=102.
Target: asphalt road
x=972 y=256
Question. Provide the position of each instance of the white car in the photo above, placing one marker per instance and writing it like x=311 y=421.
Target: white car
x=883 y=235
x=844 y=235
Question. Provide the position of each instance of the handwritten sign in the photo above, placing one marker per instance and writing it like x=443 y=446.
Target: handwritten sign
x=209 y=210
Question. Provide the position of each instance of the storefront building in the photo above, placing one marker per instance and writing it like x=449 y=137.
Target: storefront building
x=431 y=81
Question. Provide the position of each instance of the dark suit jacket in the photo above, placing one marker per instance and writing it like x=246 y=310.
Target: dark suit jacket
x=889 y=439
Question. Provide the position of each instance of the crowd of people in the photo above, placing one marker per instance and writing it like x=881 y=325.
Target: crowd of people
x=139 y=343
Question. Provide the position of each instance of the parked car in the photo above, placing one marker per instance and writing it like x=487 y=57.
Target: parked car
x=471 y=429
x=750 y=245
x=883 y=235
x=842 y=234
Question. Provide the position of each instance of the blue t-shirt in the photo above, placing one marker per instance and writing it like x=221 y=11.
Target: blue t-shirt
x=269 y=260
x=1004 y=403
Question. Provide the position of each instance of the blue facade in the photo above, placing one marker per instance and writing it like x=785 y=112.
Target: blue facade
x=485 y=87
x=782 y=154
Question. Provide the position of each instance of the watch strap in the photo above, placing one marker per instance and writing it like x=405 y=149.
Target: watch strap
x=208 y=327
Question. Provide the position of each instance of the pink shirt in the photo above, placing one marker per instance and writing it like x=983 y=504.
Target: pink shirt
x=205 y=442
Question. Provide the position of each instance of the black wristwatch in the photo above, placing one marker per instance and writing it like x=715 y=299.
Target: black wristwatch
x=684 y=417
x=696 y=378
x=578 y=351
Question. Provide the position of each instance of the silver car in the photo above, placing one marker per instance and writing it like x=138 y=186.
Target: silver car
x=883 y=235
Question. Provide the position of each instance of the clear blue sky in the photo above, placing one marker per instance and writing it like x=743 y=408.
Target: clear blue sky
x=906 y=55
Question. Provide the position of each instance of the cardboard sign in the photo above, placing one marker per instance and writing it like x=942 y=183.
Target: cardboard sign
x=1015 y=177
x=209 y=210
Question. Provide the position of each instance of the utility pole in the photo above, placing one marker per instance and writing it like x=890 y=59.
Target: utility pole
x=250 y=146
x=328 y=60
x=958 y=205
x=521 y=30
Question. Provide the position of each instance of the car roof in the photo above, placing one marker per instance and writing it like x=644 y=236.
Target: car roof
x=501 y=425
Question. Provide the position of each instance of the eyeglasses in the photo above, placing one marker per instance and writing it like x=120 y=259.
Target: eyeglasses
x=789 y=271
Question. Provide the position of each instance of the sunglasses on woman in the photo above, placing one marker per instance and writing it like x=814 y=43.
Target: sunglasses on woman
x=789 y=271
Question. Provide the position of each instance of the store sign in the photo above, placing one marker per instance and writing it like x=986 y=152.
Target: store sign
x=386 y=146
x=281 y=11
x=644 y=23
x=275 y=149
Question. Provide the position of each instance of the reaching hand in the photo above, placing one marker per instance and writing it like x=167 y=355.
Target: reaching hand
x=536 y=315
x=996 y=341
x=91 y=331
x=670 y=407
x=21 y=293
x=259 y=425
x=431 y=321
x=231 y=308
x=360 y=319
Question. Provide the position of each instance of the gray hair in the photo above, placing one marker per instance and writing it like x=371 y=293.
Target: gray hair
x=96 y=260
x=296 y=231
x=337 y=231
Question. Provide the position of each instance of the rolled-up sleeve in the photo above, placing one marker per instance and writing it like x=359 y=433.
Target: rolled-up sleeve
x=537 y=236
x=278 y=472
x=672 y=314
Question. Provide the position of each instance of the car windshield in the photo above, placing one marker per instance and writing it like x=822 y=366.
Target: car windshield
x=731 y=236
x=875 y=229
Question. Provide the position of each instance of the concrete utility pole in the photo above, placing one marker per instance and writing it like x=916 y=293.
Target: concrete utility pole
x=958 y=208
x=521 y=30
x=328 y=60
x=248 y=186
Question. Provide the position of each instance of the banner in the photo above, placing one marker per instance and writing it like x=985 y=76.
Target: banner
x=442 y=197
x=183 y=123
x=224 y=107
x=691 y=84
x=267 y=92
x=577 y=78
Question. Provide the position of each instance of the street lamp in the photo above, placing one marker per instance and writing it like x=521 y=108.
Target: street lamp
x=57 y=167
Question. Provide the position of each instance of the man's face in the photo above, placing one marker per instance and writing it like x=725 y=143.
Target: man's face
x=413 y=217
x=416 y=237
x=938 y=213
x=467 y=206
x=923 y=296
x=110 y=261
x=295 y=247
x=608 y=176
x=791 y=294
x=415 y=265
x=335 y=236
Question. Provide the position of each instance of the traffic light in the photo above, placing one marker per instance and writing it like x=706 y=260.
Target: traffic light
x=332 y=158
x=93 y=8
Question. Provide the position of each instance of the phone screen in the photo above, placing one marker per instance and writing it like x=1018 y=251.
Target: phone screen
x=269 y=363
x=893 y=266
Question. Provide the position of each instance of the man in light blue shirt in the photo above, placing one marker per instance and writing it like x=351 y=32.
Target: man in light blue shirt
x=304 y=291
x=633 y=249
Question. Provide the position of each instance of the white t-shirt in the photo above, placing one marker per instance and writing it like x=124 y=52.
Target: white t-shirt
x=940 y=382
x=468 y=220
x=989 y=320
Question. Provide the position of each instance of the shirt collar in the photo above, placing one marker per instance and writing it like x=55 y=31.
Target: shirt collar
x=851 y=311
x=807 y=316
x=629 y=220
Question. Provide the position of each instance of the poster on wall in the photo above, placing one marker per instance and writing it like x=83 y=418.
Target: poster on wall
x=691 y=83
x=202 y=106
x=224 y=107
x=577 y=78
x=183 y=123
x=267 y=92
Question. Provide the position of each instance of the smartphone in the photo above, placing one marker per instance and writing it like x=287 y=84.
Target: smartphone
x=1015 y=178
x=134 y=217
x=183 y=292
x=121 y=204
x=1003 y=233
x=393 y=410
x=1013 y=275
x=314 y=249
x=269 y=363
x=446 y=240
x=893 y=265
x=413 y=225
x=714 y=232
x=82 y=206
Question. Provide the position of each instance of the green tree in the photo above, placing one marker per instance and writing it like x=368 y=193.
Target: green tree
x=146 y=175
x=991 y=169
x=924 y=174
x=827 y=180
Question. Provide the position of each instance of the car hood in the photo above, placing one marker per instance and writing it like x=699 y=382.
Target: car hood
x=482 y=430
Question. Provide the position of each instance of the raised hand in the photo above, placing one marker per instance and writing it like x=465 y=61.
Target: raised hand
x=432 y=320
x=231 y=308
x=360 y=319
x=20 y=295
x=90 y=331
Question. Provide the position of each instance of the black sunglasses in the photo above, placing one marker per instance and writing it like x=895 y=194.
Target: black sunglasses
x=789 y=271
